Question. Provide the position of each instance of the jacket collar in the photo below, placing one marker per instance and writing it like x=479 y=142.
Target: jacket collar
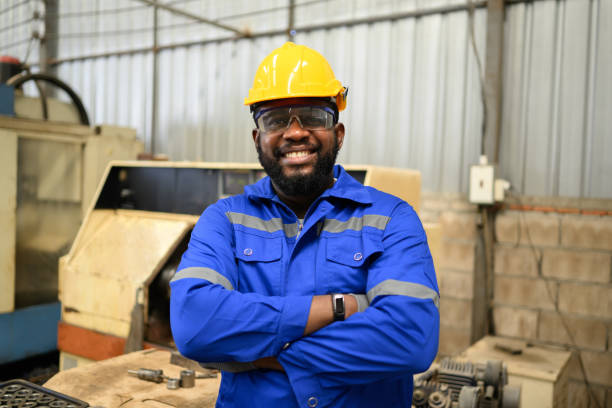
x=345 y=187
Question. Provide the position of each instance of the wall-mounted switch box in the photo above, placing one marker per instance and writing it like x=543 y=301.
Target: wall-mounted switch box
x=501 y=186
x=482 y=181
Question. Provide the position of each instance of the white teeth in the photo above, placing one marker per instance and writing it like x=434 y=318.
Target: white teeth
x=296 y=154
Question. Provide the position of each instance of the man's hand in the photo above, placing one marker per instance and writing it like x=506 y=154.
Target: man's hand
x=321 y=314
x=268 y=363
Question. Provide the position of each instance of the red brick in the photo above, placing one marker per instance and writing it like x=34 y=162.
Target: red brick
x=587 y=231
x=510 y=260
x=453 y=340
x=457 y=225
x=456 y=284
x=594 y=212
x=587 y=333
x=544 y=209
x=579 y=397
x=457 y=255
x=598 y=367
x=521 y=207
x=568 y=210
x=539 y=229
x=584 y=299
x=506 y=227
x=525 y=292
x=456 y=312
x=579 y=265
x=515 y=322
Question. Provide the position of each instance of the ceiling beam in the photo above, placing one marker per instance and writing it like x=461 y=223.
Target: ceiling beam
x=194 y=17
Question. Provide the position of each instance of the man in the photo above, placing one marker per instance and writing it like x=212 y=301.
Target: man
x=311 y=289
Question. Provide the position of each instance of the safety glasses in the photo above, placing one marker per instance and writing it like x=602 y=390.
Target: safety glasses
x=309 y=117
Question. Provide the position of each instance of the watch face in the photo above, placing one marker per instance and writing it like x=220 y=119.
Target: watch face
x=338 y=307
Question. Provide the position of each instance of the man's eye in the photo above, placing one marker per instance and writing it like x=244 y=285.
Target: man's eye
x=311 y=121
x=277 y=123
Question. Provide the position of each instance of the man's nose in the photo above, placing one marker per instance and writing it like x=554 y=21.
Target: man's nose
x=295 y=130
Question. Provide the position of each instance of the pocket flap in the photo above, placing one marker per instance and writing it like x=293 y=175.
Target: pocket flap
x=352 y=250
x=254 y=248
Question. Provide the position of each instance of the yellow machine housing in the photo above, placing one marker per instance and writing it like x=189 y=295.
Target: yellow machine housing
x=49 y=173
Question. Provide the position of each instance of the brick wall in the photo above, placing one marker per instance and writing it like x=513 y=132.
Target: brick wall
x=455 y=268
x=575 y=276
x=553 y=255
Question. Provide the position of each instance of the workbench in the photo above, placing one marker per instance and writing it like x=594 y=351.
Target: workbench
x=107 y=383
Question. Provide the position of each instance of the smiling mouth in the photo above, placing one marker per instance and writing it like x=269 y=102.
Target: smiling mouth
x=296 y=155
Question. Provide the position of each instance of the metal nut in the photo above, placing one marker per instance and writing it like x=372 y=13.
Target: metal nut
x=173 y=383
x=187 y=378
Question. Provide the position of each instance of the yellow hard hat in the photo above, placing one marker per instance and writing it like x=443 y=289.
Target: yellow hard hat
x=295 y=71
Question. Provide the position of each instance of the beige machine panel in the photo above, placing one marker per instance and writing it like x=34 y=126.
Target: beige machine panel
x=109 y=143
x=402 y=183
x=119 y=253
x=8 y=203
x=53 y=169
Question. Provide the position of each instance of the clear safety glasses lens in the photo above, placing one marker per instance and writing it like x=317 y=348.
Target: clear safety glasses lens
x=309 y=117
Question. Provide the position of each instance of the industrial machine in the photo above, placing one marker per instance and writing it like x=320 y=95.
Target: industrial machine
x=463 y=384
x=542 y=372
x=114 y=281
x=51 y=160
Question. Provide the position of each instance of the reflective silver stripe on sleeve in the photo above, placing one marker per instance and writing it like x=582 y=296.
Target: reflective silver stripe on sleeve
x=203 y=273
x=271 y=225
x=356 y=223
x=362 y=301
x=397 y=287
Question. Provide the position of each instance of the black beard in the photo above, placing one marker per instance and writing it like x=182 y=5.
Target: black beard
x=301 y=185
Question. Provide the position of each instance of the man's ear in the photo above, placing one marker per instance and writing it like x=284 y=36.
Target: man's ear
x=256 y=137
x=339 y=134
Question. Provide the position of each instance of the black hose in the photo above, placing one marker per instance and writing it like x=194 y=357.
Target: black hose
x=20 y=80
x=43 y=100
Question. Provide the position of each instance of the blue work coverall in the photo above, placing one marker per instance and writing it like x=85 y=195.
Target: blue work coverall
x=244 y=287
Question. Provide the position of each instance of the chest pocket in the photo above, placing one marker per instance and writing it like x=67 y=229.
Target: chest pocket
x=259 y=263
x=347 y=259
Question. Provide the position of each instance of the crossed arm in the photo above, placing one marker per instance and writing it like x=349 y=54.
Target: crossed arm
x=320 y=315
x=396 y=335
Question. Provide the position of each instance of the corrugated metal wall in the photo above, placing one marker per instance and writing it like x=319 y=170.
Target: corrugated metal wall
x=414 y=97
x=557 y=127
x=20 y=22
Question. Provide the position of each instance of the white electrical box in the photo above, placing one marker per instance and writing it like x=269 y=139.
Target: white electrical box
x=482 y=181
x=500 y=189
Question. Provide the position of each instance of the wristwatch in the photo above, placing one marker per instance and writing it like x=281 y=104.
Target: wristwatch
x=338 y=306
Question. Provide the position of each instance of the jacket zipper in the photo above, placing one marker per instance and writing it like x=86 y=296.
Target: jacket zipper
x=300 y=226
